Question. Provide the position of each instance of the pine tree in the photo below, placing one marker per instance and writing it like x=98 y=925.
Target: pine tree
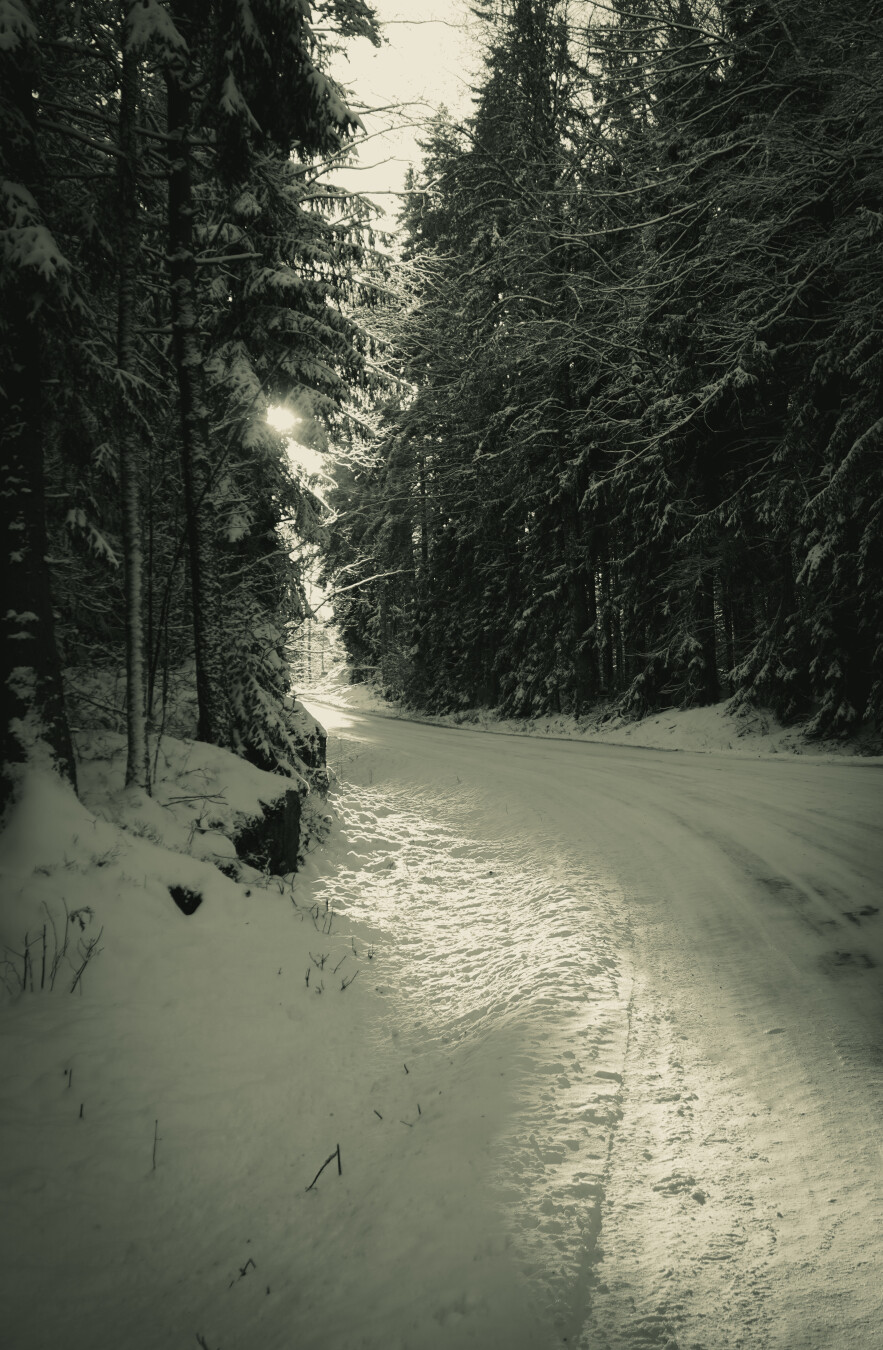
x=638 y=443
x=128 y=440
x=94 y=329
x=33 y=285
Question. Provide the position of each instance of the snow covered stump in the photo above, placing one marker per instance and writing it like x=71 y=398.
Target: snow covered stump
x=271 y=841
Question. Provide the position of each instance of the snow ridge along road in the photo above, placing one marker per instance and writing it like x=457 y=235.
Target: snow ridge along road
x=660 y=976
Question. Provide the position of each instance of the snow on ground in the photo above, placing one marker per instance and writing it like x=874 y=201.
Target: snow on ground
x=730 y=1182
x=596 y=1030
x=750 y=731
x=162 y=1123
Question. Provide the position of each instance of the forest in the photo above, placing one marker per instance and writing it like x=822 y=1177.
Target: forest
x=634 y=454
x=175 y=261
x=607 y=417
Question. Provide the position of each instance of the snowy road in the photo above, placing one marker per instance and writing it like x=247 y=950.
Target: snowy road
x=661 y=974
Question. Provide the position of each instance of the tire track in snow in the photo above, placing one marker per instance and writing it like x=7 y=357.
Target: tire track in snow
x=686 y=1251
x=743 y=1196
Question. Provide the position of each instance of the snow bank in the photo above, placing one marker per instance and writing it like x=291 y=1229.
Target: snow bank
x=202 y=795
x=749 y=732
x=170 y=1087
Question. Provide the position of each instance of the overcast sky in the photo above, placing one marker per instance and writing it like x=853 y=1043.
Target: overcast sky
x=427 y=59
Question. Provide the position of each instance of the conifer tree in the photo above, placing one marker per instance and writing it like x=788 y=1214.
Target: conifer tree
x=644 y=407
x=34 y=278
x=95 y=327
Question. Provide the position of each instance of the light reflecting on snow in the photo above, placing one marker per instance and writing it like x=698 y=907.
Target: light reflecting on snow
x=334 y=719
x=507 y=955
x=737 y=1162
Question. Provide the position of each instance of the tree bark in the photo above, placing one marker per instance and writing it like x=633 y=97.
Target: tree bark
x=33 y=717
x=137 y=760
x=709 y=691
x=195 y=456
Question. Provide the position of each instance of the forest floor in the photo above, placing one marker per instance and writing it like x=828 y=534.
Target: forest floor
x=596 y=1031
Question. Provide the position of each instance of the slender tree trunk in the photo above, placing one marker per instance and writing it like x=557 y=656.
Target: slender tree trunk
x=138 y=759
x=30 y=683
x=710 y=690
x=580 y=575
x=578 y=579
x=195 y=460
x=728 y=626
x=607 y=637
x=588 y=610
x=33 y=717
x=617 y=643
x=424 y=519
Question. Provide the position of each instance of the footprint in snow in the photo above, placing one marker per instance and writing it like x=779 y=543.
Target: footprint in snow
x=851 y=960
x=856 y=916
x=676 y=1184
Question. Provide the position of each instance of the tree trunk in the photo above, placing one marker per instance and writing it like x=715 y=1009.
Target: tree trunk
x=578 y=581
x=195 y=460
x=137 y=760
x=608 y=677
x=710 y=688
x=424 y=519
x=33 y=718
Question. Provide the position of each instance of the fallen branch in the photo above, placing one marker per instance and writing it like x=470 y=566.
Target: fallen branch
x=335 y=1154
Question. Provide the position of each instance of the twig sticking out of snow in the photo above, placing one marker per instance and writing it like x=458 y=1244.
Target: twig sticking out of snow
x=335 y=1154
x=87 y=951
x=18 y=969
x=243 y=1271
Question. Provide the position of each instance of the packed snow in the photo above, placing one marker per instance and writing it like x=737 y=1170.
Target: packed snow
x=718 y=728
x=588 y=1036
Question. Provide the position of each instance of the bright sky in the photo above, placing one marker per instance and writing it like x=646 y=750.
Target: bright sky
x=430 y=56
x=427 y=59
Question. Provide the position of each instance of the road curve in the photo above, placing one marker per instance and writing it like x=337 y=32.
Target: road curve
x=739 y=1198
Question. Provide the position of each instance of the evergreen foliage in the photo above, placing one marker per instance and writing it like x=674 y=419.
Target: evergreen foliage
x=172 y=265
x=640 y=335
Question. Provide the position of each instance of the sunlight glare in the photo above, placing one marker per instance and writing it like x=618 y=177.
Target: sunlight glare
x=302 y=457
x=281 y=419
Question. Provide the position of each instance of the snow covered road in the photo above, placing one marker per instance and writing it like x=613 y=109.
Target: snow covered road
x=662 y=975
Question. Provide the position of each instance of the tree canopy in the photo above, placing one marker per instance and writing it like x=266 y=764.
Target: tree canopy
x=636 y=453
x=174 y=262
